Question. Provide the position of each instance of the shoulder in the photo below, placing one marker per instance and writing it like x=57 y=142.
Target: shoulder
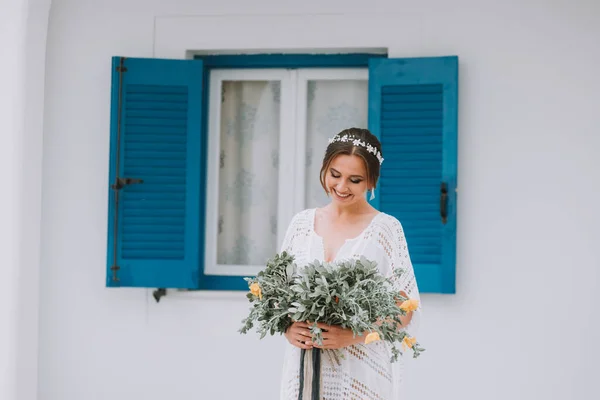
x=299 y=227
x=388 y=221
x=389 y=226
x=303 y=217
x=389 y=234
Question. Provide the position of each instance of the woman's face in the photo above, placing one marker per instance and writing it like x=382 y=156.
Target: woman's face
x=346 y=179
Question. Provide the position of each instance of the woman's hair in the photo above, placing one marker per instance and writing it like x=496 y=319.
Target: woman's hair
x=368 y=148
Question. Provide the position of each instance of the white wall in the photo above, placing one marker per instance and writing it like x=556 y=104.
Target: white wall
x=31 y=201
x=523 y=324
x=13 y=15
x=23 y=28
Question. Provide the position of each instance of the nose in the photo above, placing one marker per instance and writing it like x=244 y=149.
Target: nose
x=341 y=187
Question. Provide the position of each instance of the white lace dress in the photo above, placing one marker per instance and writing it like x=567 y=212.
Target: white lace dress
x=366 y=372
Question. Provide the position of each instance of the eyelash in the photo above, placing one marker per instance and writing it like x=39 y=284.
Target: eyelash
x=353 y=181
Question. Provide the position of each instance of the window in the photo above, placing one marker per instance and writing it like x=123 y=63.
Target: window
x=211 y=157
x=267 y=128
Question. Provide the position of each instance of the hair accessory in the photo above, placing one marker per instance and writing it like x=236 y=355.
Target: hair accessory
x=358 y=142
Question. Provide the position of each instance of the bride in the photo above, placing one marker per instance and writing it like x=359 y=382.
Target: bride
x=349 y=227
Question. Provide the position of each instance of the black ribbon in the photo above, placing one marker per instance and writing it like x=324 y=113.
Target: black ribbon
x=315 y=371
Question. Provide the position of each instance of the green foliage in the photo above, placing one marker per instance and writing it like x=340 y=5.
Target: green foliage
x=271 y=313
x=351 y=294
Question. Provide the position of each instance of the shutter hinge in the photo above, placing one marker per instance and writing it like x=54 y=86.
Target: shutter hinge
x=115 y=268
x=158 y=293
x=120 y=183
x=121 y=67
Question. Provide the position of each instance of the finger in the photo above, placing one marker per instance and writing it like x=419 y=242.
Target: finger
x=329 y=335
x=325 y=326
x=302 y=338
x=300 y=330
x=325 y=346
x=305 y=333
x=325 y=343
x=302 y=345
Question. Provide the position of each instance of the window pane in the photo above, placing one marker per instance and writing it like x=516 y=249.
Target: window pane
x=248 y=174
x=333 y=105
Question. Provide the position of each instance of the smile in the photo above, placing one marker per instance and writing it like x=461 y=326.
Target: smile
x=342 y=196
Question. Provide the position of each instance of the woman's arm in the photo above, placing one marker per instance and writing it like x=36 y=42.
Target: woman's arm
x=406 y=284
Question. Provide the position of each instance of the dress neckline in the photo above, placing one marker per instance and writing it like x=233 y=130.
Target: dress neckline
x=346 y=241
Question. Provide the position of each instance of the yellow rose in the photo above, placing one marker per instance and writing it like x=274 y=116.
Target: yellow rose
x=410 y=305
x=255 y=290
x=372 y=337
x=408 y=342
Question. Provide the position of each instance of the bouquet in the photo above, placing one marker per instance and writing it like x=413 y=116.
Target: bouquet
x=351 y=294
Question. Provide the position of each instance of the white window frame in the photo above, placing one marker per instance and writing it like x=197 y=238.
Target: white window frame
x=303 y=77
x=292 y=147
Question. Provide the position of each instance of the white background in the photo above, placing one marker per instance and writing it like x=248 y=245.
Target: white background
x=524 y=323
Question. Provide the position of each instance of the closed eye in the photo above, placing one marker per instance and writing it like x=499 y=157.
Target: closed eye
x=335 y=174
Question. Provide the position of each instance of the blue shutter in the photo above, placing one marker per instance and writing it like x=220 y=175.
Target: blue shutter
x=154 y=217
x=413 y=107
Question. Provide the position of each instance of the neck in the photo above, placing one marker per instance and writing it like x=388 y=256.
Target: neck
x=359 y=207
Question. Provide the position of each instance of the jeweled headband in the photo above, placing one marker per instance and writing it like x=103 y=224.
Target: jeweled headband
x=357 y=142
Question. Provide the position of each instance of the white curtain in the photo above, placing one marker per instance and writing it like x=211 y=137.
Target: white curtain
x=249 y=164
x=249 y=159
x=332 y=107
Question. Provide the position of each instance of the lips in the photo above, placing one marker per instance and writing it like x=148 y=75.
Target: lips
x=342 y=196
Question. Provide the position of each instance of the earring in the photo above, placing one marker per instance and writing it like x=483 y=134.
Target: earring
x=372 y=194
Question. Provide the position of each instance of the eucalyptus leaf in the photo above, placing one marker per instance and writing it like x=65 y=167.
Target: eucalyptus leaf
x=352 y=294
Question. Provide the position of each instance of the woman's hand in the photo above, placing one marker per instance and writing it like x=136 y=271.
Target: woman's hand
x=336 y=337
x=298 y=334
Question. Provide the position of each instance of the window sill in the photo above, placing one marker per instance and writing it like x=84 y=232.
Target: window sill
x=227 y=295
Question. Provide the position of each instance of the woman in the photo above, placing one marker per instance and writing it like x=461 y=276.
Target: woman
x=349 y=227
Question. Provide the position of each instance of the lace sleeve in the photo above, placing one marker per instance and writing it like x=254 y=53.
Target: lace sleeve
x=291 y=232
x=393 y=241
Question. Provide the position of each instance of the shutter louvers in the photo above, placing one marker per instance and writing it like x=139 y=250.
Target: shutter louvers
x=154 y=235
x=413 y=112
